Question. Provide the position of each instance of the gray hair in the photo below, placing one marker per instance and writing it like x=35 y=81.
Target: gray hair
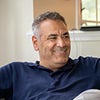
x=47 y=15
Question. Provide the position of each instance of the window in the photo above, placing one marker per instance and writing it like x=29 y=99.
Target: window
x=90 y=10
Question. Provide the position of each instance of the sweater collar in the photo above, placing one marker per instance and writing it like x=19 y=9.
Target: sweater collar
x=67 y=66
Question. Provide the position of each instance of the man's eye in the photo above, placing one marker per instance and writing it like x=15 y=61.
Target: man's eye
x=52 y=38
x=66 y=36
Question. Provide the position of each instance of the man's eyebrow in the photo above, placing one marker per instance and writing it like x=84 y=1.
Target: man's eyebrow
x=52 y=35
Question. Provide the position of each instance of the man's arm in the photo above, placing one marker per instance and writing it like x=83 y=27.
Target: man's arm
x=5 y=81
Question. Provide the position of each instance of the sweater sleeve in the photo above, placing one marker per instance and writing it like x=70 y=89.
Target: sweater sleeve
x=97 y=67
x=5 y=81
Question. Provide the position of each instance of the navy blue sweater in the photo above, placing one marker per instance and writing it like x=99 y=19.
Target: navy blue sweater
x=29 y=81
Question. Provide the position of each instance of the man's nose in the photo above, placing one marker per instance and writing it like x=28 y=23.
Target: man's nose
x=61 y=42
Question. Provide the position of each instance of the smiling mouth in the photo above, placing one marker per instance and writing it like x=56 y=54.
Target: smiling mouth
x=60 y=53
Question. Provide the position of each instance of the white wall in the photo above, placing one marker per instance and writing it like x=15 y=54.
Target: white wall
x=85 y=43
x=15 y=21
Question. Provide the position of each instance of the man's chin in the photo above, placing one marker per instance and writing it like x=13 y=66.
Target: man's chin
x=61 y=61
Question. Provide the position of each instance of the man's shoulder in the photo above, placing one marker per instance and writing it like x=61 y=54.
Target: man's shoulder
x=18 y=65
x=88 y=61
x=22 y=63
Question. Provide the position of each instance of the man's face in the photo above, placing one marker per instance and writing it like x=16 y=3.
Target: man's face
x=53 y=44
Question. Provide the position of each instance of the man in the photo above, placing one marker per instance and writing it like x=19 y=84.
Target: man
x=56 y=76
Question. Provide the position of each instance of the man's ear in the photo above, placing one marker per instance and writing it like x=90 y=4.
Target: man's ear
x=35 y=43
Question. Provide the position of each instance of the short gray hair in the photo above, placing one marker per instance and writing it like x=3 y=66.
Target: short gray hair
x=47 y=15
